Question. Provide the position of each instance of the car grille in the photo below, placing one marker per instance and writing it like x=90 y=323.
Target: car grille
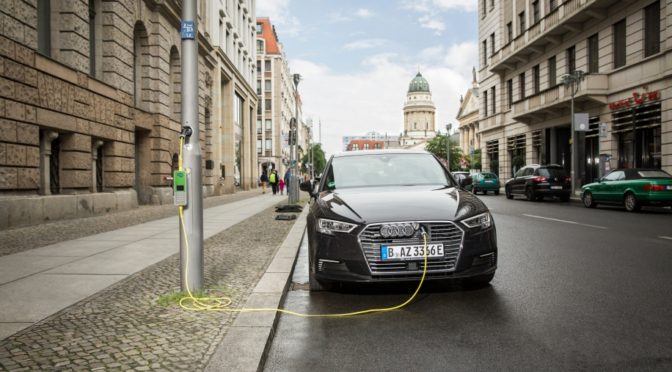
x=439 y=232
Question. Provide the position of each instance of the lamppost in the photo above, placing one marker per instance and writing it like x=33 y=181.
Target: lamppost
x=449 y=126
x=293 y=178
x=571 y=81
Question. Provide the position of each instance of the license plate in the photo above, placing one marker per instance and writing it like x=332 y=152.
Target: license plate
x=489 y=181
x=410 y=252
x=556 y=187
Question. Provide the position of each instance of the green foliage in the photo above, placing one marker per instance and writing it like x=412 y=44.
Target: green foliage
x=320 y=160
x=476 y=159
x=437 y=146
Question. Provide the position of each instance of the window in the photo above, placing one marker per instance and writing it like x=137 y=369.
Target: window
x=267 y=104
x=652 y=29
x=258 y=146
x=521 y=82
x=484 y=10
x=44 y=27
x=521 y=22
x=258 y=125
x=258 y=86
x=269 y=124
x=95 y=39
x=260 y=47
x=366 y=146
x=552 y=80
x=485 y=52
x=259 y=68
x=485 y=103
x=593 y=47
x=355 y=146
x=535 y=11
x=494 y=104
x=492 y=4
x=552 y=4
x=571 y=59
x=260 y=28
x=267 y=65
x=267 y=85
x=509 y=32
x=269 y=145
x=509 y=92
x=619 y=44
x=535 y=76
x=492 y=43
x=615 y=176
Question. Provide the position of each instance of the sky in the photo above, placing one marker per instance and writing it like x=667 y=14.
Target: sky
x=356 y=59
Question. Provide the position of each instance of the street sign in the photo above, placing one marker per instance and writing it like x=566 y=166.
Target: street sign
x=581 y=122
x=187 y=30
x=603 y=130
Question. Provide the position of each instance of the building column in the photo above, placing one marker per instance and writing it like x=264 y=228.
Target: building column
x=45 y=159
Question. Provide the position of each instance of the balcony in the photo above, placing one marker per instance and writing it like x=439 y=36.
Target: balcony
x=555 y=101
x=567 y=17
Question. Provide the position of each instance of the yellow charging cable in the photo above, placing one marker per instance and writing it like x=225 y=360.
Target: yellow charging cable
x=206 y=303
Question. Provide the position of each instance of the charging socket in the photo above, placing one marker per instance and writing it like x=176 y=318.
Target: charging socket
x=180 y=188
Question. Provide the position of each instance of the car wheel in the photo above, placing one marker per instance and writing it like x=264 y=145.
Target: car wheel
x=496 y=192
x=529 y=194
x=507 y=190
x=588 y=200
x=631 y=203
x=485 y=192
x=479 y=280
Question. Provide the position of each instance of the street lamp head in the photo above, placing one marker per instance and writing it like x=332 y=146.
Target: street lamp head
x=449 y=126
x=296 y=78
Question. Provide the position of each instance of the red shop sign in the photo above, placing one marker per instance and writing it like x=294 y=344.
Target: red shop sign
x=636 y=99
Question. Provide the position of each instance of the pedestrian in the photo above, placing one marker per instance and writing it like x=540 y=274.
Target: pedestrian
x=263 y=179
x=281 y=185
x=273 y=180
x=287 y=177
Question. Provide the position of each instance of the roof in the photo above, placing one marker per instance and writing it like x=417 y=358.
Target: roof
x=378 y=152
x=418 y=84
x=269 y=36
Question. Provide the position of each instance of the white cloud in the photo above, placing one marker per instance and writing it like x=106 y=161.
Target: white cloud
x=363 y=13
x=427 y=21
x=278 y=12
x=373 y=99
x=365 y=44
x=338 y=17
x=427 y=6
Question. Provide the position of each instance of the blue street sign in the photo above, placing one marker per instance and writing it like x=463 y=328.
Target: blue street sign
x=187 y=30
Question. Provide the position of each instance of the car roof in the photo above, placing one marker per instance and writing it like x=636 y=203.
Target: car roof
x=378 y=152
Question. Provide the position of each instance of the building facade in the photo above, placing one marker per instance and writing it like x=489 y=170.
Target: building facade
x=365 y=144
x=419 y=114
x=90 y=104
x=622 y=49
x=467 y=117
x=278 y=99
x=388 y=141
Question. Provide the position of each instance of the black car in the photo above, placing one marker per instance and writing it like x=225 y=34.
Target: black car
x=369 y=212
x=464 y=179
x=538 y=181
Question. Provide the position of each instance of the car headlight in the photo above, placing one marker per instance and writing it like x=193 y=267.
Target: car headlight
x=330 y=227
x=483 y=221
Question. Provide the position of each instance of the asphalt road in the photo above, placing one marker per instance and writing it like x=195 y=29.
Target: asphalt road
x=576 y=289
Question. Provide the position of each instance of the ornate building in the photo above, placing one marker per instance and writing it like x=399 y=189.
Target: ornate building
x=467 y=117
x=419 y=111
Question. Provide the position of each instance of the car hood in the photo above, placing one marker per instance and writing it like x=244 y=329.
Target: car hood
x=406 y=203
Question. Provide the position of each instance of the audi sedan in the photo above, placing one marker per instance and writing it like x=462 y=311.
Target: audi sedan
x=369 y=213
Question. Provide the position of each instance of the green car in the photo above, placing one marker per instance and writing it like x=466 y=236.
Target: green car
x=632 y=188
x=484 y=182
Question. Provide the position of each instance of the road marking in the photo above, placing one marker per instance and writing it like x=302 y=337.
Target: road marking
x=666 y=237
x=565 y=221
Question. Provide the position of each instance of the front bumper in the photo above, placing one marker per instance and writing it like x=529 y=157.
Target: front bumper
x=342 y=258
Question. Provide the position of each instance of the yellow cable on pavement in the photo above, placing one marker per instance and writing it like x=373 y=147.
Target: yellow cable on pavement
x=206 y=303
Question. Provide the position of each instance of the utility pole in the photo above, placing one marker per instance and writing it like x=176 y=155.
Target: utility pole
x=293 y=178
x=449 y=126
x=571 y=81
x=191 y=245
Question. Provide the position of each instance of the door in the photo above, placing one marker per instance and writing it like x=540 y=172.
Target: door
x=613 y=186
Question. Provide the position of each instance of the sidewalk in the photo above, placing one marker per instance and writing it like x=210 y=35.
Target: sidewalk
x=40 y=282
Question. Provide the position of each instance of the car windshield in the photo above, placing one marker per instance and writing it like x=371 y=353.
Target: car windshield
x=488 y=176
x=653 y=174
x=552 y=172
x=386 y=170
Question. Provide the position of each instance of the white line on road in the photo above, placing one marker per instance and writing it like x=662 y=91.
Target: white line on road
x=565 y=221
x=666 y=237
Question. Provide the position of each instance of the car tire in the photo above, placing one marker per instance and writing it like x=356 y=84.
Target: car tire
x=507 y=191
x=529 y=194
x=630 y=202
x=588 y=200
x=479 y=280
x=496 y=192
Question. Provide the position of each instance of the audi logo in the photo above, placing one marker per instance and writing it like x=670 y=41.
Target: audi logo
x=397 y=230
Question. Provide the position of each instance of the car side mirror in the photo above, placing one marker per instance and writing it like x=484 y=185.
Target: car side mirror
x=307 y=186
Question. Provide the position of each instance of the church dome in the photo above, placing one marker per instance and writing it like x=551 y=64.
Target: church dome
x=418 y=84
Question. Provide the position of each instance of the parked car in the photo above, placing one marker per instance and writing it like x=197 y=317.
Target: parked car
x=367 y=218
x=484 y=182
x=632 y=188
x=536 y=182
x=464 y=179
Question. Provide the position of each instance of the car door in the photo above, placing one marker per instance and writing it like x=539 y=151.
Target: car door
x=518 y=183
x=613 y=185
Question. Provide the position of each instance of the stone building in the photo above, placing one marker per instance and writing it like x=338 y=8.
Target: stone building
x=467 y=117
x=90 y=105
x=419 y=114
x=618 y=54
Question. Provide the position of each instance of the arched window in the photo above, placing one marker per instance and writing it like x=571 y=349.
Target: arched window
x=175 y=88
x=140 y=65
x=95 y=39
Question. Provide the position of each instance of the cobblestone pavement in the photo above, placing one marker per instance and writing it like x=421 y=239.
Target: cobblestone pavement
x=124 y=328
x=24 y=238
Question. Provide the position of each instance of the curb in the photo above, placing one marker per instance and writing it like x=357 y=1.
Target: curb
x=246 y=343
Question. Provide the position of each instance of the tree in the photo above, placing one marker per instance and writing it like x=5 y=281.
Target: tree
x=437 y=146
x=320 y=160
x=476 y=159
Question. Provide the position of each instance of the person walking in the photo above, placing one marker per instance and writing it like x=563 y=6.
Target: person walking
x=263 y=179
x=288 y=175
x=273 y=180
x=281 y=185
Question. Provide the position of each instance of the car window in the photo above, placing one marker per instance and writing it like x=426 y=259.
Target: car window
x=615 y=176
x=528 y=172
x=552 y=172
x=487 y=176
x=520 y=172
x=386 y=170
x=653 y=174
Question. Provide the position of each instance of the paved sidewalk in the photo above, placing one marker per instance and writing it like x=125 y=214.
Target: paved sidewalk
x=38 y=283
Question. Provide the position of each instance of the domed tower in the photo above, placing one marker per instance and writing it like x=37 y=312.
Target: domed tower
x=419 y=113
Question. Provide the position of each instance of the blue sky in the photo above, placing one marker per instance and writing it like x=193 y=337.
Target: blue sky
x=357 y=58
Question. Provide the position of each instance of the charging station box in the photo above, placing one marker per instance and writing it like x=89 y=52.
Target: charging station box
x=180 y=188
